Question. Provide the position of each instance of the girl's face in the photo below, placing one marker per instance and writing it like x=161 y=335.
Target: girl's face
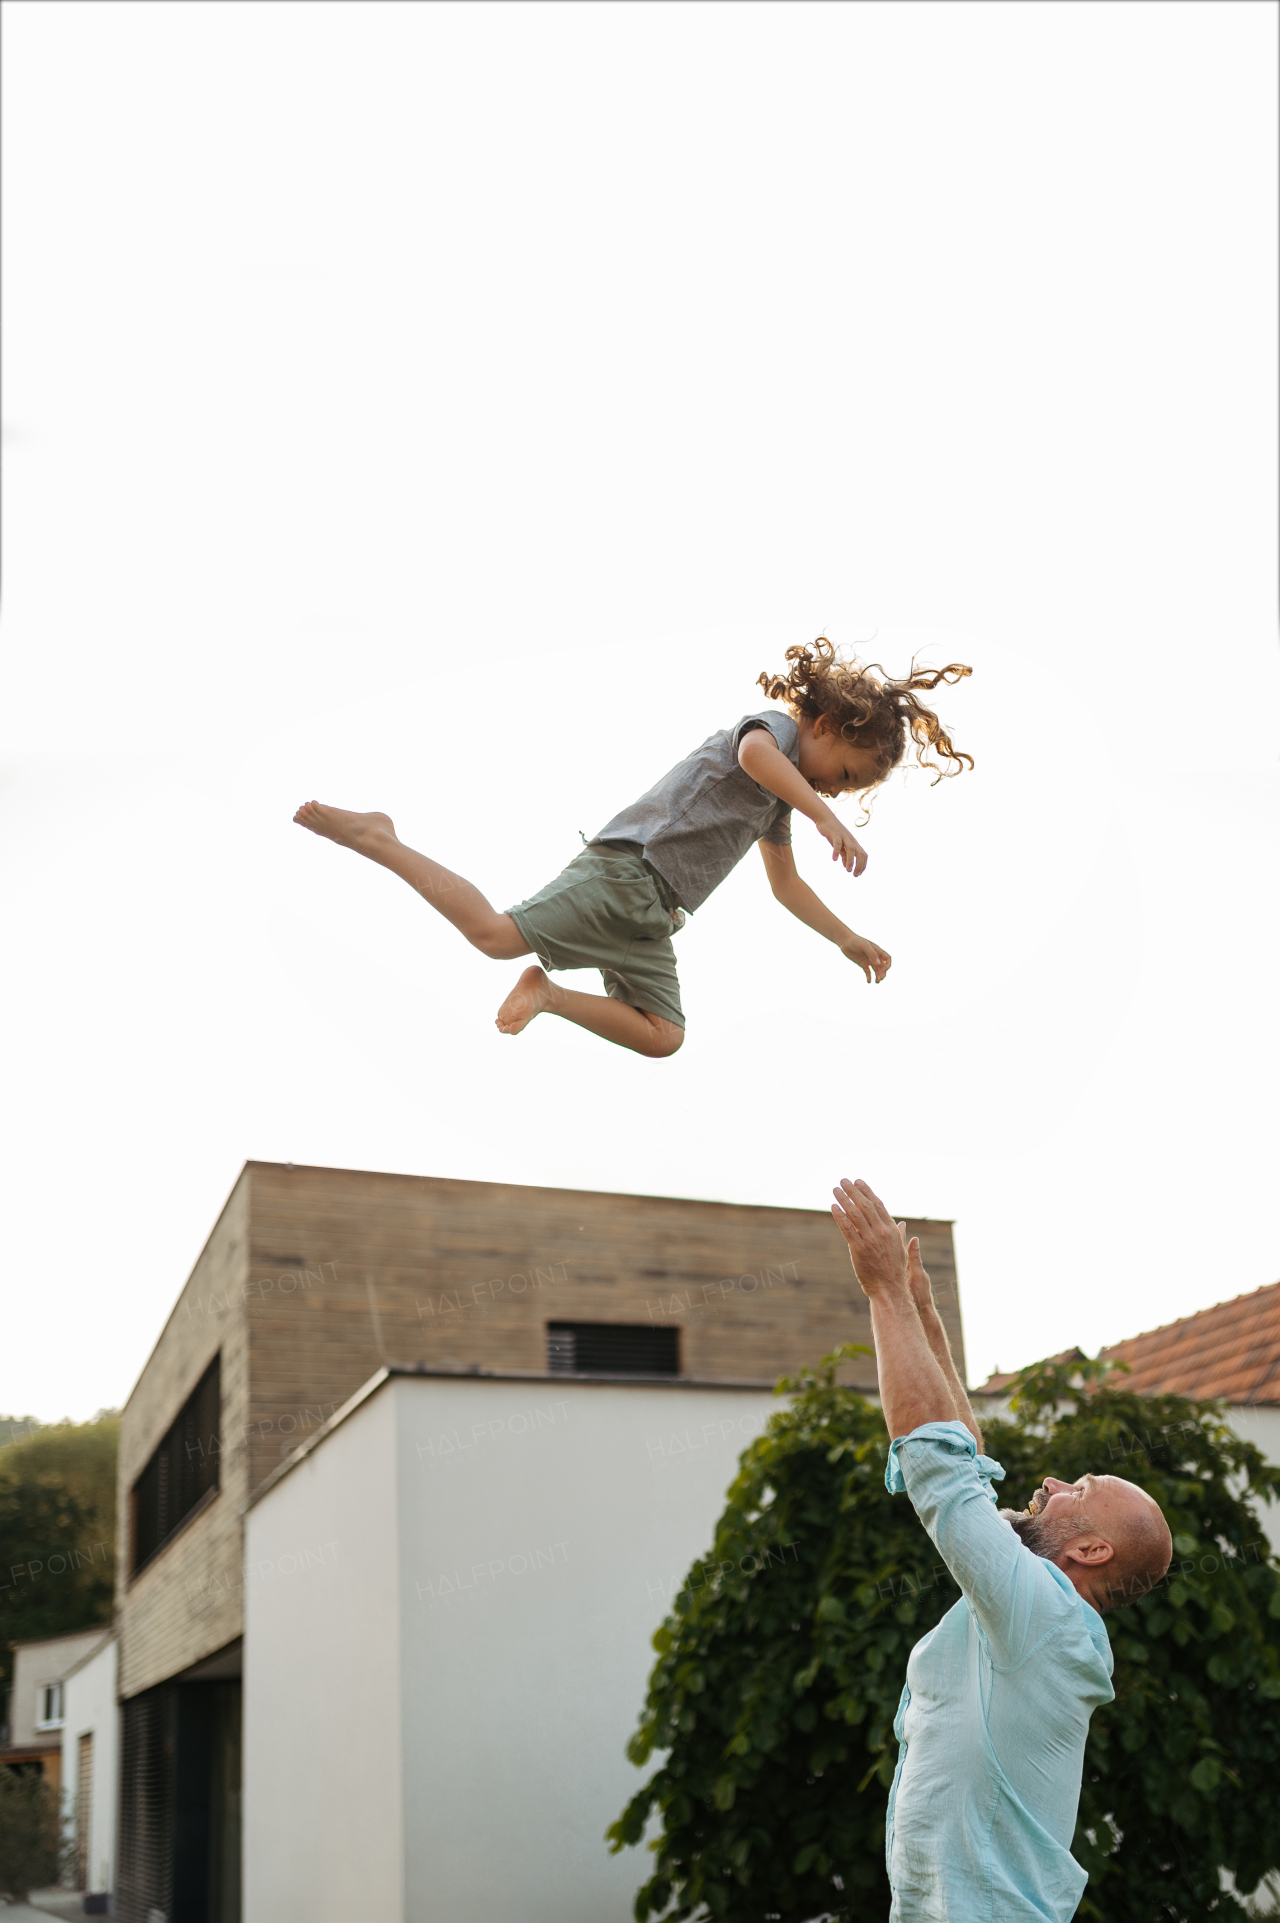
x=830 y=764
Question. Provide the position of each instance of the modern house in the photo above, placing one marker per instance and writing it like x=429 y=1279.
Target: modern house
x=376 y=1375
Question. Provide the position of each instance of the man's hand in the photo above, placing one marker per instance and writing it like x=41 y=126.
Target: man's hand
x=866 y=956
x=917 y=1275
x=918 y=1379
x=876 y=1246
x=843 y=846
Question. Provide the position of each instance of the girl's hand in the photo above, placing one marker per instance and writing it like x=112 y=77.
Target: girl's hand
x=843 y=846
x=866 y=956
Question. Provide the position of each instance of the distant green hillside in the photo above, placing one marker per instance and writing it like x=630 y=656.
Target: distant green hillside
x=57 y=1528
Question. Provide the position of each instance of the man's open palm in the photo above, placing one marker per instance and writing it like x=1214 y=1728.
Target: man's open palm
x=875 y=1243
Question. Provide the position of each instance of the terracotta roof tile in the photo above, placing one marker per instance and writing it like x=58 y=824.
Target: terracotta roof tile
x=1231 y=1350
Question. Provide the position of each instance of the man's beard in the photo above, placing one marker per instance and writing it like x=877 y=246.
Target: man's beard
x=1041 y=1536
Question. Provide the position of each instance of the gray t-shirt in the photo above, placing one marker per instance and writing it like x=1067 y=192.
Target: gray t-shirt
x=700 y=820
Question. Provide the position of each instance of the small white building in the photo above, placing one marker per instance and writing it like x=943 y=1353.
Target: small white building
x=34 y=1717
x=90 y=1763
x=449 y=1597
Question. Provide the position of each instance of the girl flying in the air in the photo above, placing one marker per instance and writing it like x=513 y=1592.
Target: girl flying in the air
x=618 y=903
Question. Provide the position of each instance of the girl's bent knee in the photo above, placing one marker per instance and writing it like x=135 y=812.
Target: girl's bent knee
x=665 y=1037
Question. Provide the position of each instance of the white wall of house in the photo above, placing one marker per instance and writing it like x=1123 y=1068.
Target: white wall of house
x=323 y=1832
x=449 y=1606
x=90 y=1709
x=1259 y=1423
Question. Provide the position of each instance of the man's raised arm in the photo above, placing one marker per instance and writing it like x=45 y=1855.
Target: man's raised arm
x=949 y=1485
x=918 y=1378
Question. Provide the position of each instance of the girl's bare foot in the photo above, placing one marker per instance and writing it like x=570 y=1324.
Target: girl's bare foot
x=532 y=993
x=349 y=830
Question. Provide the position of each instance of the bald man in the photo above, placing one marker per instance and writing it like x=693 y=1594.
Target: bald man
x=992 y=1723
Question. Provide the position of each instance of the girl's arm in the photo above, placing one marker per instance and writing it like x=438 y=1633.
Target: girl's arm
x=762 y=758
x=796 y=895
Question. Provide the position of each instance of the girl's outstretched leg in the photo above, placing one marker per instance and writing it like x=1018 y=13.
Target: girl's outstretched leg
x=615 y=1021
x=457 y=900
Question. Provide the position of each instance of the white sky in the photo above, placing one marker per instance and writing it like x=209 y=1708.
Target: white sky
x=452 y=410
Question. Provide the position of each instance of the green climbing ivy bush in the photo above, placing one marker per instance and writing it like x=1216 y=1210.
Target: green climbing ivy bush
x=780 y=1667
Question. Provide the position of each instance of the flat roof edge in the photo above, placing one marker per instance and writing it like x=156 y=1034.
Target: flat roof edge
x=552 y=1188
x=401 y=1371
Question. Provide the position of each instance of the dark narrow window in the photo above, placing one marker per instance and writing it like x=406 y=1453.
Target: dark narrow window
x=183 y=1469
x=612 y=1348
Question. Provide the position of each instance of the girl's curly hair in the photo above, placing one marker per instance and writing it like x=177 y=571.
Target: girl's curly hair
x=870 y=710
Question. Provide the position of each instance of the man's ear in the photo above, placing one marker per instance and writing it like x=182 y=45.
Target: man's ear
x=1092 y=1551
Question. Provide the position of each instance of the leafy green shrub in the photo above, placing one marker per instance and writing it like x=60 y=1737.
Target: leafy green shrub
x=780 y=1667
x=30 y=1833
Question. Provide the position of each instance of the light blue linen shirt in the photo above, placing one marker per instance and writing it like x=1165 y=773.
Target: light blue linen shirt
x=995 y=1711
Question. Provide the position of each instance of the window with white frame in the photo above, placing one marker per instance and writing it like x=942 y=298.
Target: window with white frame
x=50 y=1716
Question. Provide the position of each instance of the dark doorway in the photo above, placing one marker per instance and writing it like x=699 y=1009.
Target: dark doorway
x=179 y=1848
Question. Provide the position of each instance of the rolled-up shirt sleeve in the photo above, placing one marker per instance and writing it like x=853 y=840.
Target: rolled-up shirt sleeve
x=1014 y=1598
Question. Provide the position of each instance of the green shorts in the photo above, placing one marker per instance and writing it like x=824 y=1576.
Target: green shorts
x=609 y=910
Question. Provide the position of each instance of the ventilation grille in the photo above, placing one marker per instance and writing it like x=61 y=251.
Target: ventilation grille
x=612 y=1348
